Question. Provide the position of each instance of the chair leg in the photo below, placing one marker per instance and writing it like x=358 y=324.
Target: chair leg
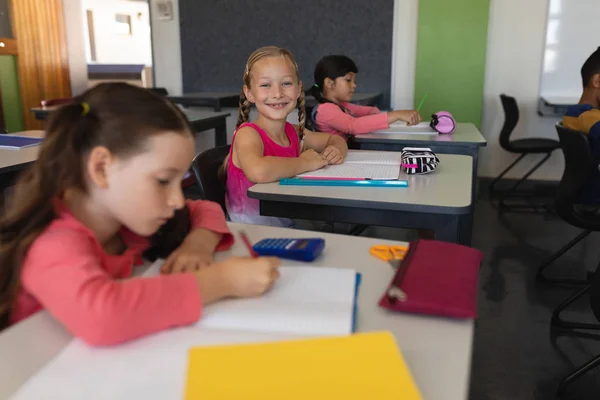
x=558 y=322
x=507 y=207
x=357 y=230
x=495 y=181
x=578 y=373
x=541 y=277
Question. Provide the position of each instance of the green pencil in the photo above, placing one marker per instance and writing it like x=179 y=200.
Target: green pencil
x=421 y=104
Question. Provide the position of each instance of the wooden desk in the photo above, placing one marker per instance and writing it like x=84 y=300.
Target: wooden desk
x=440 y=201
x=207 y=99
x=437 y=350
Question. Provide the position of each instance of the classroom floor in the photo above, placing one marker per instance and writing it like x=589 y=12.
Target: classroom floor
x=513 y=355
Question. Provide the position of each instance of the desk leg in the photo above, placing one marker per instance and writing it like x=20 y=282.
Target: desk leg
x=221 y=133
x=450 y=231
x=217 y=105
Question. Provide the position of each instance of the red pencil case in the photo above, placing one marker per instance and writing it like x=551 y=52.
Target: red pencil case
x=436 y=278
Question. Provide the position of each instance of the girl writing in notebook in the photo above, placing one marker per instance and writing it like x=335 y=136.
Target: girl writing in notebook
x=269 y=148
x=335 y=82
x=107 y=186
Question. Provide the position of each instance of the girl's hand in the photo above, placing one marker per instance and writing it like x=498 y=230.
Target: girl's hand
x=238 y=277
x=187 y=258
x=333 y=155
x=411 y=117
x=249 y=277
x=313 y=160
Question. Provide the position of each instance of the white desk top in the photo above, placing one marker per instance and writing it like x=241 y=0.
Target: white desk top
x=465 y=134
x=446 y=190
x=437 y=350
x=11 y=158
x=560 y=100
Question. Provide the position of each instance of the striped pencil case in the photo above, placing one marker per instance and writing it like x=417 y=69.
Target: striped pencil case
x=418 y=160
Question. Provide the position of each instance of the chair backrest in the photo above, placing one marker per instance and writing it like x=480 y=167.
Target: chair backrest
x=310 y=115
x=159 y=90
x=205 y=167
x=511 y=117
x=579 y=165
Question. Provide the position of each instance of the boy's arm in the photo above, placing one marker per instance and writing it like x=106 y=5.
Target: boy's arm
x=248 y=148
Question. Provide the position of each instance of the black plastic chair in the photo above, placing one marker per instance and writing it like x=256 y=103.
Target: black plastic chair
x=519 y=146
x=594 y=297
x=579 y=165
x=205 y=167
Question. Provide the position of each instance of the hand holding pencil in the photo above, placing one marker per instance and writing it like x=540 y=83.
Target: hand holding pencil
x=411 y=117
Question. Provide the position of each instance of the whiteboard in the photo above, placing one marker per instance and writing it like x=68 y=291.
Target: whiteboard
x=572 y=34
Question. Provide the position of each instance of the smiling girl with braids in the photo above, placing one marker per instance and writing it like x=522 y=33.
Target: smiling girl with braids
x=269 y=149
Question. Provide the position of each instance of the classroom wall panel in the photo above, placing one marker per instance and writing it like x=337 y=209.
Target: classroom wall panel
x=11 y=97
x=514 y=66
x=217 y=36
x=450 y=57
x=43 y=62
x=5 y=29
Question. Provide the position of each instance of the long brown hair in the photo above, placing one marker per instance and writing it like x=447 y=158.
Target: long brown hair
x=117 y=116
x=244 y=107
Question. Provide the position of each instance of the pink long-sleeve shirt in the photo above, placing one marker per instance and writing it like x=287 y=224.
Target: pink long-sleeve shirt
x=67 y=272
x=356 y=120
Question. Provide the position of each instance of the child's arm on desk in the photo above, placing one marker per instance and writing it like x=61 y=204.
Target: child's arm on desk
x=248 y=151
x=332 y=147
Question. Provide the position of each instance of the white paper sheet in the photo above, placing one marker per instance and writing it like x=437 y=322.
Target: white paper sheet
x=306 y=301
x=357 y=171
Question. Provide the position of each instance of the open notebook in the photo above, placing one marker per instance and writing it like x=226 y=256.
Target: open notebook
x=422 y=128
x=306 y=301
x=18 y=142
x=361 y=164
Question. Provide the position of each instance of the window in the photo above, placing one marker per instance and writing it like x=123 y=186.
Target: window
x=123 y=24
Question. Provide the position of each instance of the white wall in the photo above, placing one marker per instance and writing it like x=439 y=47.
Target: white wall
x=404 y=53
x=74 y=29
x=516 y=37
x=572 y=37
x=113 y=47
x=166 y=45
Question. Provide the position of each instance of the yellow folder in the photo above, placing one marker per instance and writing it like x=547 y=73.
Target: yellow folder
x=361 y=366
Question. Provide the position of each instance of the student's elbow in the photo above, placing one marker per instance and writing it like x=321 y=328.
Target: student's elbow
x=259 y=173
x=102 y=330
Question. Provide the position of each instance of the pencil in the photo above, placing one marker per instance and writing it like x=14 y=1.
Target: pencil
x=421 y=104
x=247 y=244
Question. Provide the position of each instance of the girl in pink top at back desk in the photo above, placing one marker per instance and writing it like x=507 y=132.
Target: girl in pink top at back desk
x=335 y=82
x=269 y=148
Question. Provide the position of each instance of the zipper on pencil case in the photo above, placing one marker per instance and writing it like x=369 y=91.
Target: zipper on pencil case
x=395 y=291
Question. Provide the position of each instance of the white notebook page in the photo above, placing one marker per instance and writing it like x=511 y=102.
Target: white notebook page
x=153 y=367
x=373 y=157
x=357 y=171
x=305 y=300
x=401 y=127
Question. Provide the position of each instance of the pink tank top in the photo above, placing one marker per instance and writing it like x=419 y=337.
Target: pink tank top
x=240 y=207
